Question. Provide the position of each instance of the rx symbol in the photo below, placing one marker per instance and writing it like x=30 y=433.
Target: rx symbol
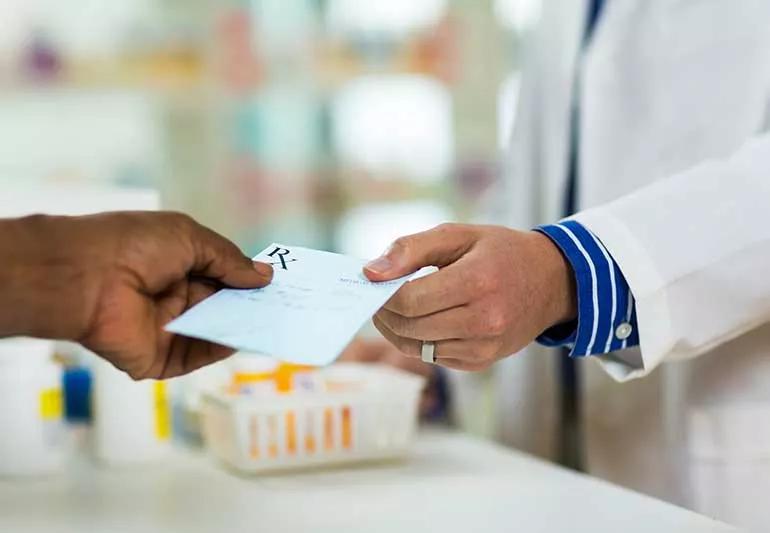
x=280 y=254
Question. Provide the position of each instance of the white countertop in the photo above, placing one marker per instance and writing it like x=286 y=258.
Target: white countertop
x=452 y=483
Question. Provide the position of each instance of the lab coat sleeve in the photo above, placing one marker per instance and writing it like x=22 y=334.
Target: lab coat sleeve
x=695 y=250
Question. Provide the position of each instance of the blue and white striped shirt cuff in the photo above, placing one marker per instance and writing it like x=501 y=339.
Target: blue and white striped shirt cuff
x=606 y=319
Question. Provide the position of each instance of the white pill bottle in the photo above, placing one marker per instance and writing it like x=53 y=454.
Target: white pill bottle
x=32 y=438
x=132 y=419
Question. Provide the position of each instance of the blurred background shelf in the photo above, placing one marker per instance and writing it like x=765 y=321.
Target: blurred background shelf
x=331 y=123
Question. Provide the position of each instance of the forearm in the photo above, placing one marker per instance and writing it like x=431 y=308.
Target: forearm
x=44 y=287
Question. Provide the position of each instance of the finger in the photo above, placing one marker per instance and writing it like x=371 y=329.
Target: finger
x=178 y=355
x=464 y=350
x=188 y=355
x=167 y=307
x=439 y=247
x=197 y=292
x=408 y=347
x=450 y=287
x=198 y=353
x=219 y=259
x=180 y=297
x=454 y=323
x=201 y=353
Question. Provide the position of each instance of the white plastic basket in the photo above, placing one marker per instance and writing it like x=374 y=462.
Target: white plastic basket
x=359 y=413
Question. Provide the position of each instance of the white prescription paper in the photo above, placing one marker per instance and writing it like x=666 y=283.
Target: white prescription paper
x=311 y=311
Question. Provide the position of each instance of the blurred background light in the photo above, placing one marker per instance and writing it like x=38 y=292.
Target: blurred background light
x=67 y=135
x=520 y=15
x=394 y=17
x=283 y=24
x=396 y=125
x=368 y=230
x=94 y=27
x=507 y=103
x=286 y=136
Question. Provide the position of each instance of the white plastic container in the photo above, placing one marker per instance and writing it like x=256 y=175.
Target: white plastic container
x=32 y=439
x=186 y=401
x=132 y=420
x=363 y=413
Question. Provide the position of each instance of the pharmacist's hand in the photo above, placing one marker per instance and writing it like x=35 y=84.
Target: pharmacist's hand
x=383 y=352
x=497 y=290
x=131 y=274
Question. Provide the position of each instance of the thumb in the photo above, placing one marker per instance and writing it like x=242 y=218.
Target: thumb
x=438 y=247
x=218 y=259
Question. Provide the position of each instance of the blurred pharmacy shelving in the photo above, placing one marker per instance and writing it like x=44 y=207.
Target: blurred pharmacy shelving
x=331 y=123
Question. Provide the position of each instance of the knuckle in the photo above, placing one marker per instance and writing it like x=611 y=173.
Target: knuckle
x=138 y=370
x=402 y=344
x=408 y=348
x=394 y=323
x=136 y=375
x=406 y=327
x=179 y=223
x=496 y=322
x=379 y=323
x=451 y=227
x=481 y=284
x=447 y=227
x=183 y=220
x=411 y=306
x=402 y=245
x=406 y=303
x=176 y=217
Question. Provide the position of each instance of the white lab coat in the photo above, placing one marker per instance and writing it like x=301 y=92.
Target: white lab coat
x=677 y=93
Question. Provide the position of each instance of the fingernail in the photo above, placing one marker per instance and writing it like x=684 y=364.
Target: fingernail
x=263 y=268
x=381 y=265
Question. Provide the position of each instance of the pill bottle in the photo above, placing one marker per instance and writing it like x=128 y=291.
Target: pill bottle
x=131 y=419
x=292 y=378
x=252 y=374
x=76 y=383
x=32 y=439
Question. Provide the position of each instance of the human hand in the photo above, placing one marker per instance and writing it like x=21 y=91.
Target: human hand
x=113 y=281
x=496 y=290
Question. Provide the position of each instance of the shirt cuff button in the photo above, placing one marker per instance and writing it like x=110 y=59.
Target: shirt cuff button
x=624 y=331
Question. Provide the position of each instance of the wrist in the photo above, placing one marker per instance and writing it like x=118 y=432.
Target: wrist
x=559 y=285
x=44 y=285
